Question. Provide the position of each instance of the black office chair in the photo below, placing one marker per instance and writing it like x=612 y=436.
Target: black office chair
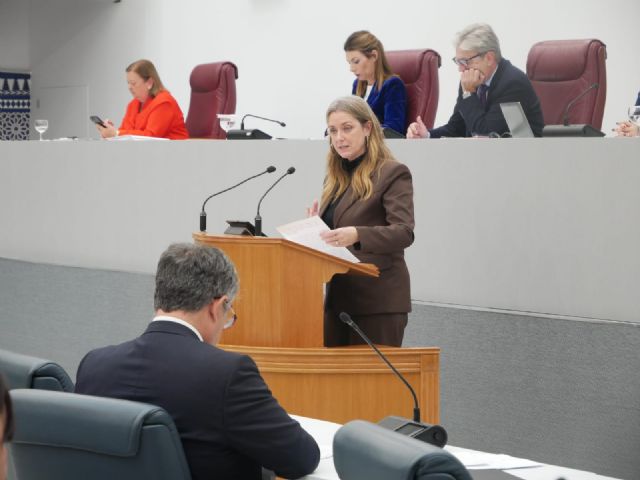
x=363 y=450
x=23 y=371
x=61 y=436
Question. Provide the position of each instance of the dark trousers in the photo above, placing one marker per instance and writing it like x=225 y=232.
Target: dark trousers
x=382 y=329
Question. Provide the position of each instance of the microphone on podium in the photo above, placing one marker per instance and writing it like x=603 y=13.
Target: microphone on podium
x=258 y=219
x=203 y=213
x=252 y=134
x=433 y=434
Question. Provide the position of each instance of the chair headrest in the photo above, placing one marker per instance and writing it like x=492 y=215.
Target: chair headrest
x=560 y=60
x=102 y=425
x=206 y=77
x=409 y=64
x=363 y=450
x=24 y=371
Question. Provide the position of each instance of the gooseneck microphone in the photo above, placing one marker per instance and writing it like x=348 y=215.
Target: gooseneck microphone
x=346 y=318
x=203 y=214
x=282 y=124
x=565 y=117
x=258 y=219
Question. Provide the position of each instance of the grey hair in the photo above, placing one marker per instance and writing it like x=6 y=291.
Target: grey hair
x=480 y=38
x=190 y=276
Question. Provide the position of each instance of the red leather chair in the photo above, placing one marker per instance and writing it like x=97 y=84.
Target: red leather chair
x=560 y=70
x=418 y=69
x=213 y=91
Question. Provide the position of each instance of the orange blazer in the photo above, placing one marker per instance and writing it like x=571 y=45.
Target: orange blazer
x=158 y=117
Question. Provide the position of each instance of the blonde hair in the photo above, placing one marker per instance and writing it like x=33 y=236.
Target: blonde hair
x=365 y=43
x=377 y=153
x=147 y=70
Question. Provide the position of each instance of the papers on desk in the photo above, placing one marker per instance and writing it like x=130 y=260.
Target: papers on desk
x=125 y=138
x=307 y=232
x=474 y=460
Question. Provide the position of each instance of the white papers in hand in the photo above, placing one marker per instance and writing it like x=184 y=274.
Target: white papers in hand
x=307 y=232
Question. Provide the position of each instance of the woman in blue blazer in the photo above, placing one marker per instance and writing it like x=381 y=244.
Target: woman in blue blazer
x=375 y=82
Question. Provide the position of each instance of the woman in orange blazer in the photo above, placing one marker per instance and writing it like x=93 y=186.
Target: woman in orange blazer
x=367 y=202
x=153 y=112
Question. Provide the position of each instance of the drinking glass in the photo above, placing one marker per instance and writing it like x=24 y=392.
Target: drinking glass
x=227 y=121
x=634 y=114
x=41 y=126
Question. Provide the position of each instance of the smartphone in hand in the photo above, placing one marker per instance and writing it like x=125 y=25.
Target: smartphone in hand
x=97 y=120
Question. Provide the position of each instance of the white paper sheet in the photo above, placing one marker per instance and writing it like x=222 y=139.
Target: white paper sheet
x=307 y=232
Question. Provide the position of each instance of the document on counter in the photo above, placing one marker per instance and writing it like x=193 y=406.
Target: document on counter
x=307 y=232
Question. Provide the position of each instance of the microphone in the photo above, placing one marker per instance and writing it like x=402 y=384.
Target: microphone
x=433 y=434
x=252 y=134
x=258 y=219
x=203 y=214
x=282 y=124
x=346 y=318
x=565 y=117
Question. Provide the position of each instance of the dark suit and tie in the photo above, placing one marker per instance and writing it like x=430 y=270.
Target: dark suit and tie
x=472 y=116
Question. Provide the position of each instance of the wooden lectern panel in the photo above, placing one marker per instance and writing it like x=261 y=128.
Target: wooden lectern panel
x=347 y=383
x=281 y=289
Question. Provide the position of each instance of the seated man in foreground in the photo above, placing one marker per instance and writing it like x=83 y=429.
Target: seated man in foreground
x=486 y=81
x=229 y=422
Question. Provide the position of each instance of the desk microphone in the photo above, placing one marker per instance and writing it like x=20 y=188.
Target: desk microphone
x=252 y=134
x=565 y=117
x=282 y=124
x=203 y=214
x=258 y=218
x=346 y=318
x=433 y=434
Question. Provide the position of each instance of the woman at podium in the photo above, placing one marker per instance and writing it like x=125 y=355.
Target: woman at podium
x=367 y=202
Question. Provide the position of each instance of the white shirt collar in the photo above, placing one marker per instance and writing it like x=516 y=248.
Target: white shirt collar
x=179 y=321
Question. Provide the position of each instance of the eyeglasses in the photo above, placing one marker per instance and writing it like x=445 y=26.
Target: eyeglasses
x=232 y=321
x=464 y=62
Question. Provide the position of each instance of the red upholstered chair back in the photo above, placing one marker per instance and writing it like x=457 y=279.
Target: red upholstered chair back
x=213 y=91
x=418 y=69
x=560 y=70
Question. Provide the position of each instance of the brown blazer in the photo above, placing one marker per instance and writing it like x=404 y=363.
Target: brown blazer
x=385 y=228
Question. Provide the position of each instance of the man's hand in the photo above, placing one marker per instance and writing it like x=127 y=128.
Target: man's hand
x=471 y=79
x=417 y=129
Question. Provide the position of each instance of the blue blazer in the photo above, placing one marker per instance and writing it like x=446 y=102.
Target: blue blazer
x=229 y=422
x=509 y=84
x=389 y=103
x=638 y=99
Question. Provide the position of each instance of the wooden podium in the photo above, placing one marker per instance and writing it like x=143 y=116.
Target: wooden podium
x=280 y=325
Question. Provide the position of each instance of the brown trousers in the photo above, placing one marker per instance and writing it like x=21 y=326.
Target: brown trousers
x=382 y=329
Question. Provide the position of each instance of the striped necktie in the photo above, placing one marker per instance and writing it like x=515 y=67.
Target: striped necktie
x=482 y=93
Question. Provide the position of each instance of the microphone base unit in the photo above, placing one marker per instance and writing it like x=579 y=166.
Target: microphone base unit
x=241 y=227
x=432 y=434
x=252 y=134
x=581 y=130
x=391 y=133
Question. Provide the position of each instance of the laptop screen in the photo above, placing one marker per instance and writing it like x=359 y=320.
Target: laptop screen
x=516 y=120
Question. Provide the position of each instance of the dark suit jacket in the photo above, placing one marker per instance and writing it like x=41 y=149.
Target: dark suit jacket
x=385 y=228
x=229 y=422
x=638 y=99
x=389 y=103
x=509 y=84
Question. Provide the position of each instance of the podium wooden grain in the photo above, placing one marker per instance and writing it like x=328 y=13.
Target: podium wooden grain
x=280 y=325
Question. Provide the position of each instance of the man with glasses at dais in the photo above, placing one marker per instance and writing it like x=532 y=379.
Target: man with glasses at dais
x=229 y=423
x=486 y=81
